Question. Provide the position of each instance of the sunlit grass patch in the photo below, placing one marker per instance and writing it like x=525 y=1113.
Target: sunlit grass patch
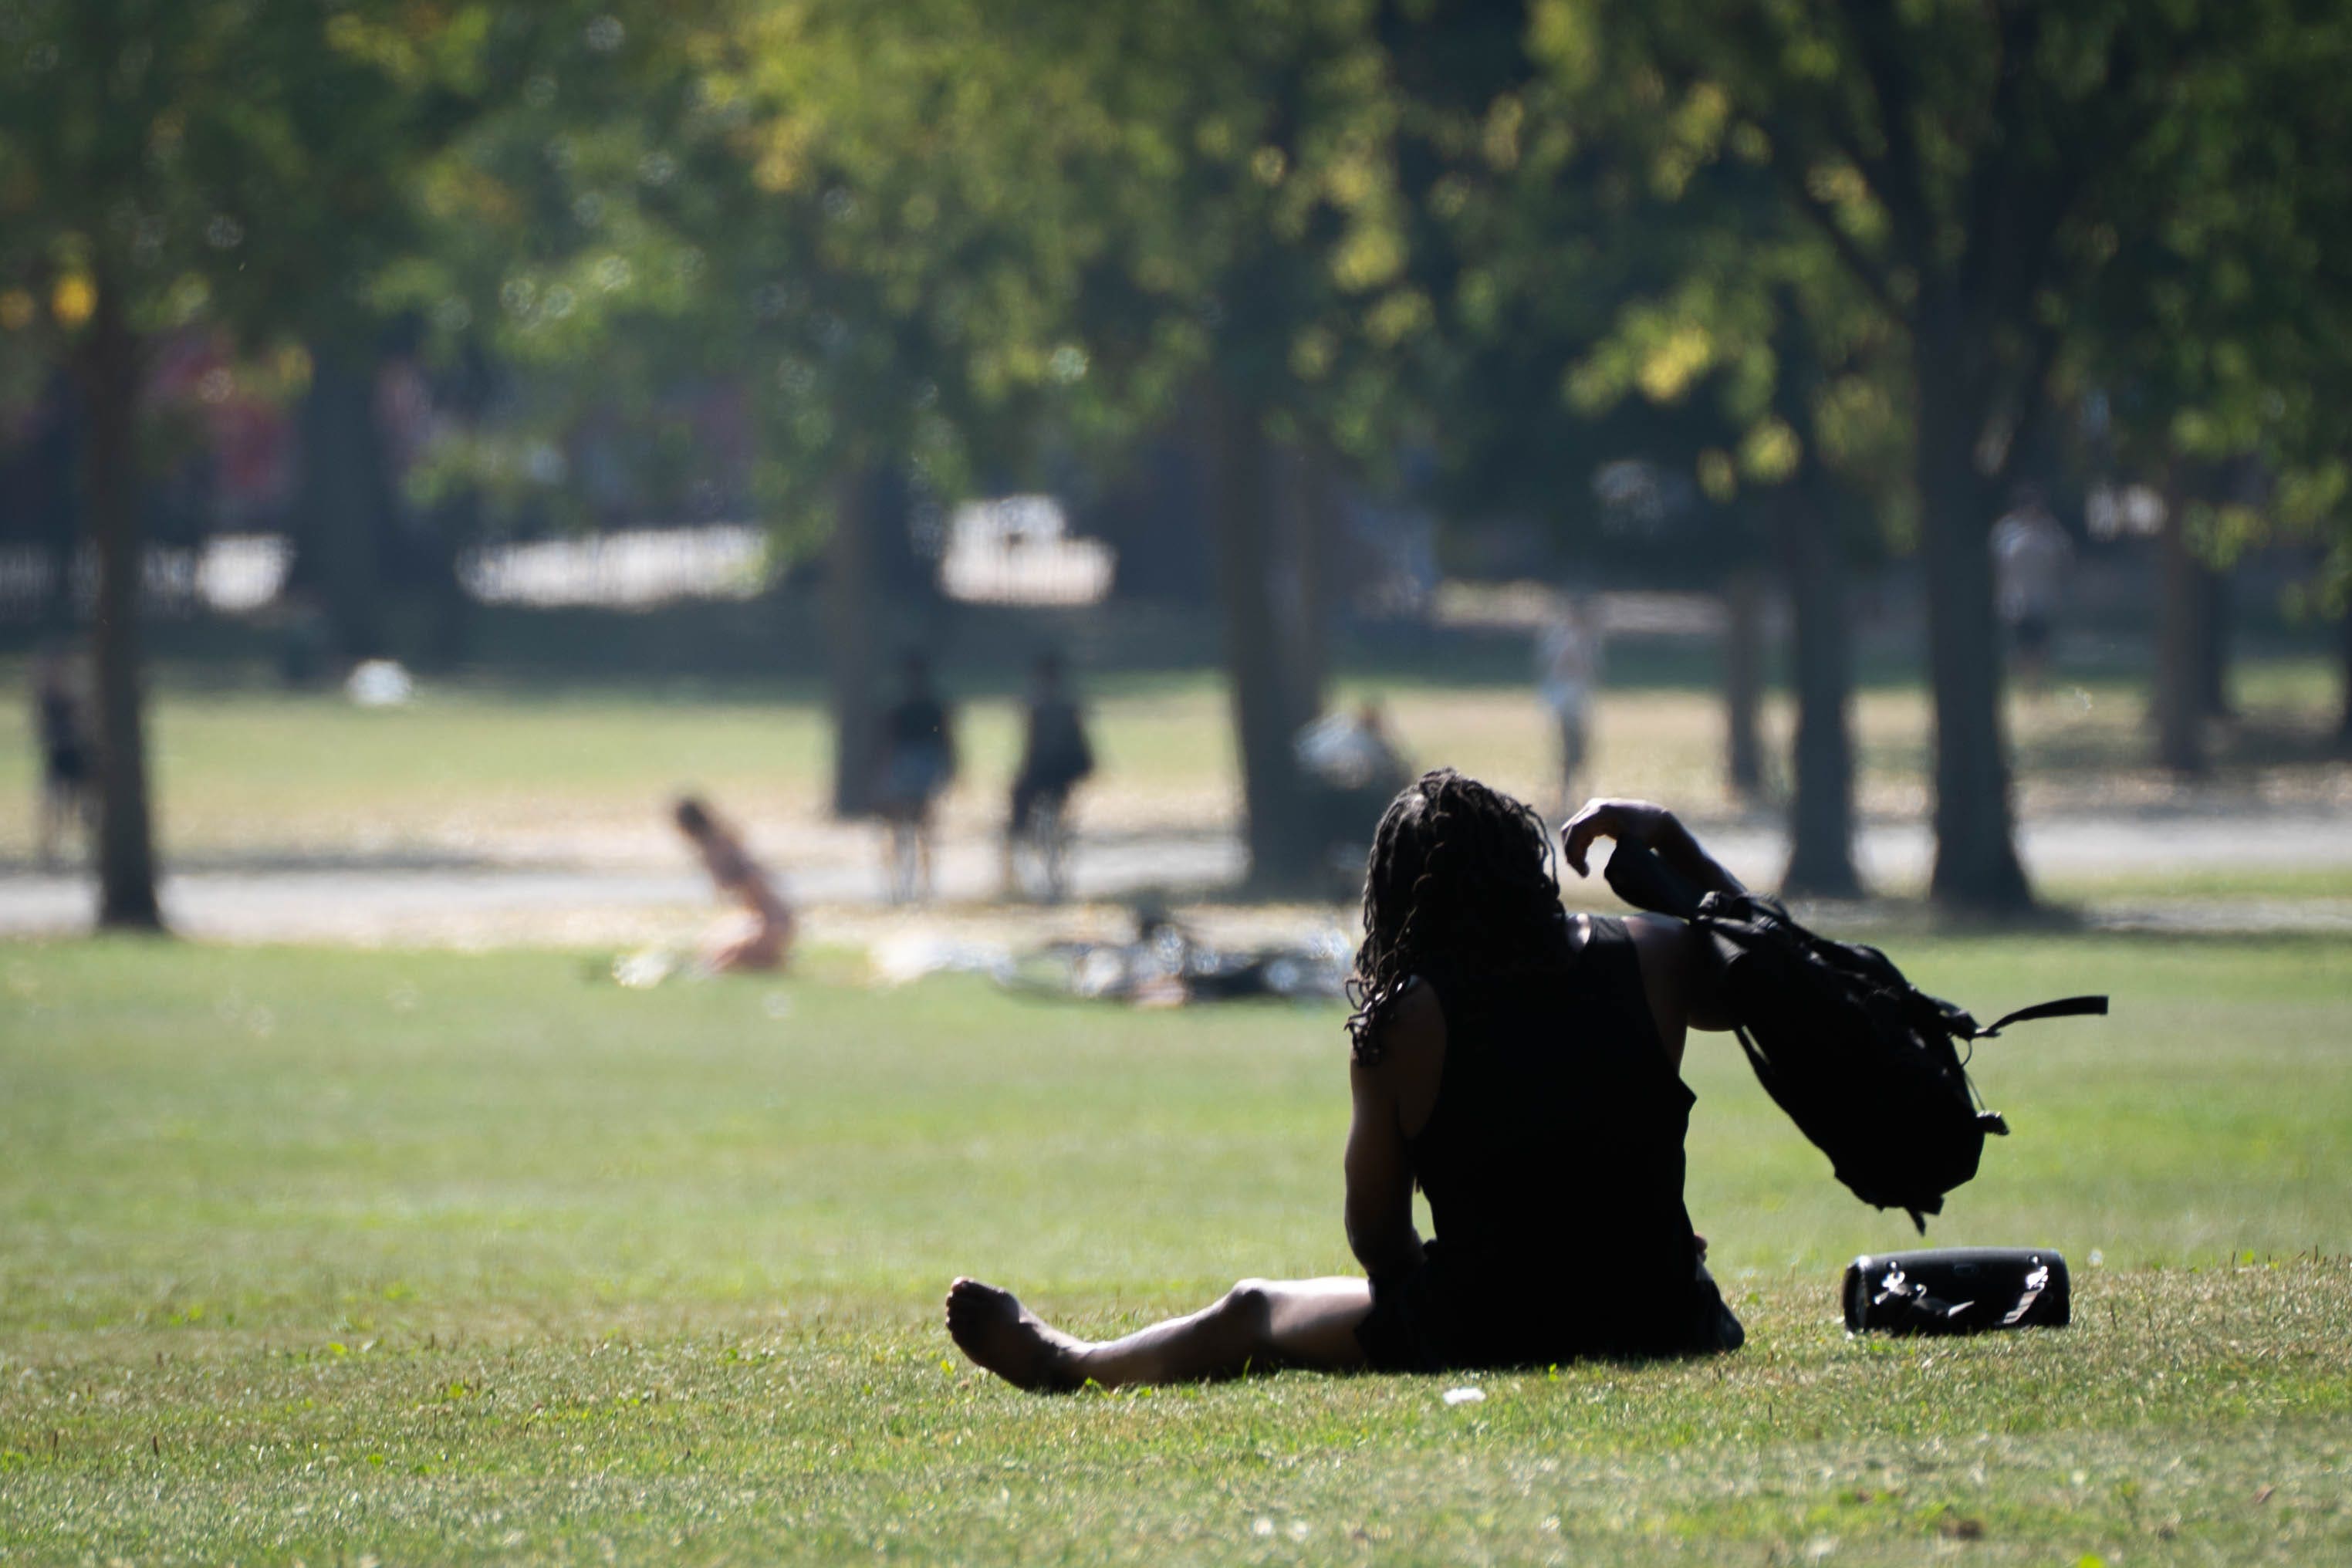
x=424 y=1256
x=500 y=769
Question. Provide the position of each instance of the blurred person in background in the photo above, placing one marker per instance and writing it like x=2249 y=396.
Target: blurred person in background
x=2031 y=554
x=1353 y=770
x=758 y=936
x=1055 y=756
x=915 y=762
x=68 y=802
x=1568 y=681
x=1520 y=1066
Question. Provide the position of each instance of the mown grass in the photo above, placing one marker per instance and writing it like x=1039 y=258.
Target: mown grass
x=492 y=768
x=2219 y=883
x=332 y=1256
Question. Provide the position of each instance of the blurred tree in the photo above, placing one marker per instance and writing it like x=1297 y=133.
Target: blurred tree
x=975 y=227
x=1618 y=278
x=1964 y=163
x=1257 y=268
x=2213 y=347
x=863 y=222
x=2344 y=712
x=896 y=258
x=1794 y=440
x=553 y=300
x=161 y=163
x=249 y=165
x=344 y=503
x=39 y=432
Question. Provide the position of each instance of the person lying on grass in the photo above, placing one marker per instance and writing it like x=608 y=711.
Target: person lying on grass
x=1521 y=1065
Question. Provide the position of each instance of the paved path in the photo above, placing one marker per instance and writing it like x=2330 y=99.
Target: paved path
x=491 y=902
x=389 y=901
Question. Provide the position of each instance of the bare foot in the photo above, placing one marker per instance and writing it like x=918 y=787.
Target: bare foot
x=1001 y=1334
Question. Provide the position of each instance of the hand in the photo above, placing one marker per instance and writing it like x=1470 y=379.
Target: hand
x=1626 y=821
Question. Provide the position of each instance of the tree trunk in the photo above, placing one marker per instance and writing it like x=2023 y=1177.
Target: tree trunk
x=343 y=500
x=2214 y=644
x=1283 y=851
x=1821 y=816
x=448 y=612
x=108 y=357
x=2179 y=707
x=2344 y=721
x=52 y=468
x=1743 y=681
x=852 y=637
x=1300 y=512
x=456 y=524
x=1976 y=868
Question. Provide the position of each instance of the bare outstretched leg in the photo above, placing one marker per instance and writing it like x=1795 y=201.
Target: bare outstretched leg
x=1001 y=1334
x=1258 y=1324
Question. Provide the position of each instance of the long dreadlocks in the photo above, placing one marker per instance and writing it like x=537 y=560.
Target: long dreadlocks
x=1460 y=883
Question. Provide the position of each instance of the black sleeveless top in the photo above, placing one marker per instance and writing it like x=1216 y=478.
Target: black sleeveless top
x=1553 y=1165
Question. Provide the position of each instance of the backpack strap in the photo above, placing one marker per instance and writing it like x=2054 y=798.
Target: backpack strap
x=2065 y=1007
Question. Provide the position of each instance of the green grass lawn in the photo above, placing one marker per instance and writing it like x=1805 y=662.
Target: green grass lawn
x=346 y=1257
x=495 y=768
x=2222 y=884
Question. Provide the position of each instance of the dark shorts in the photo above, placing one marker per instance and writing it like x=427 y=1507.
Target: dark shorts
x=2031 y=635
x=1030 y=792
x=1411 y=1329
x=910 y=778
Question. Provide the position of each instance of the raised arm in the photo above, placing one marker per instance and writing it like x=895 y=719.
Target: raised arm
x=1677 y=973
x=1654 y=827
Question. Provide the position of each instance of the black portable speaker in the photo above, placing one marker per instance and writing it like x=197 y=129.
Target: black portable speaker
x=1957 y=1291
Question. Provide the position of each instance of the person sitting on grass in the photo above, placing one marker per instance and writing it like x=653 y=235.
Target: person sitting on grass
x=1519 y=1064
x=759 y=936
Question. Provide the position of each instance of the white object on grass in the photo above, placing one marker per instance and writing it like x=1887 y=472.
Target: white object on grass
x=644 y=969
x=380 y=683
x=910 y=956
x=1465 y=1395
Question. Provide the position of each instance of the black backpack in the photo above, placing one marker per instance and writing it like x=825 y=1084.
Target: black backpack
x=1864 y=1062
